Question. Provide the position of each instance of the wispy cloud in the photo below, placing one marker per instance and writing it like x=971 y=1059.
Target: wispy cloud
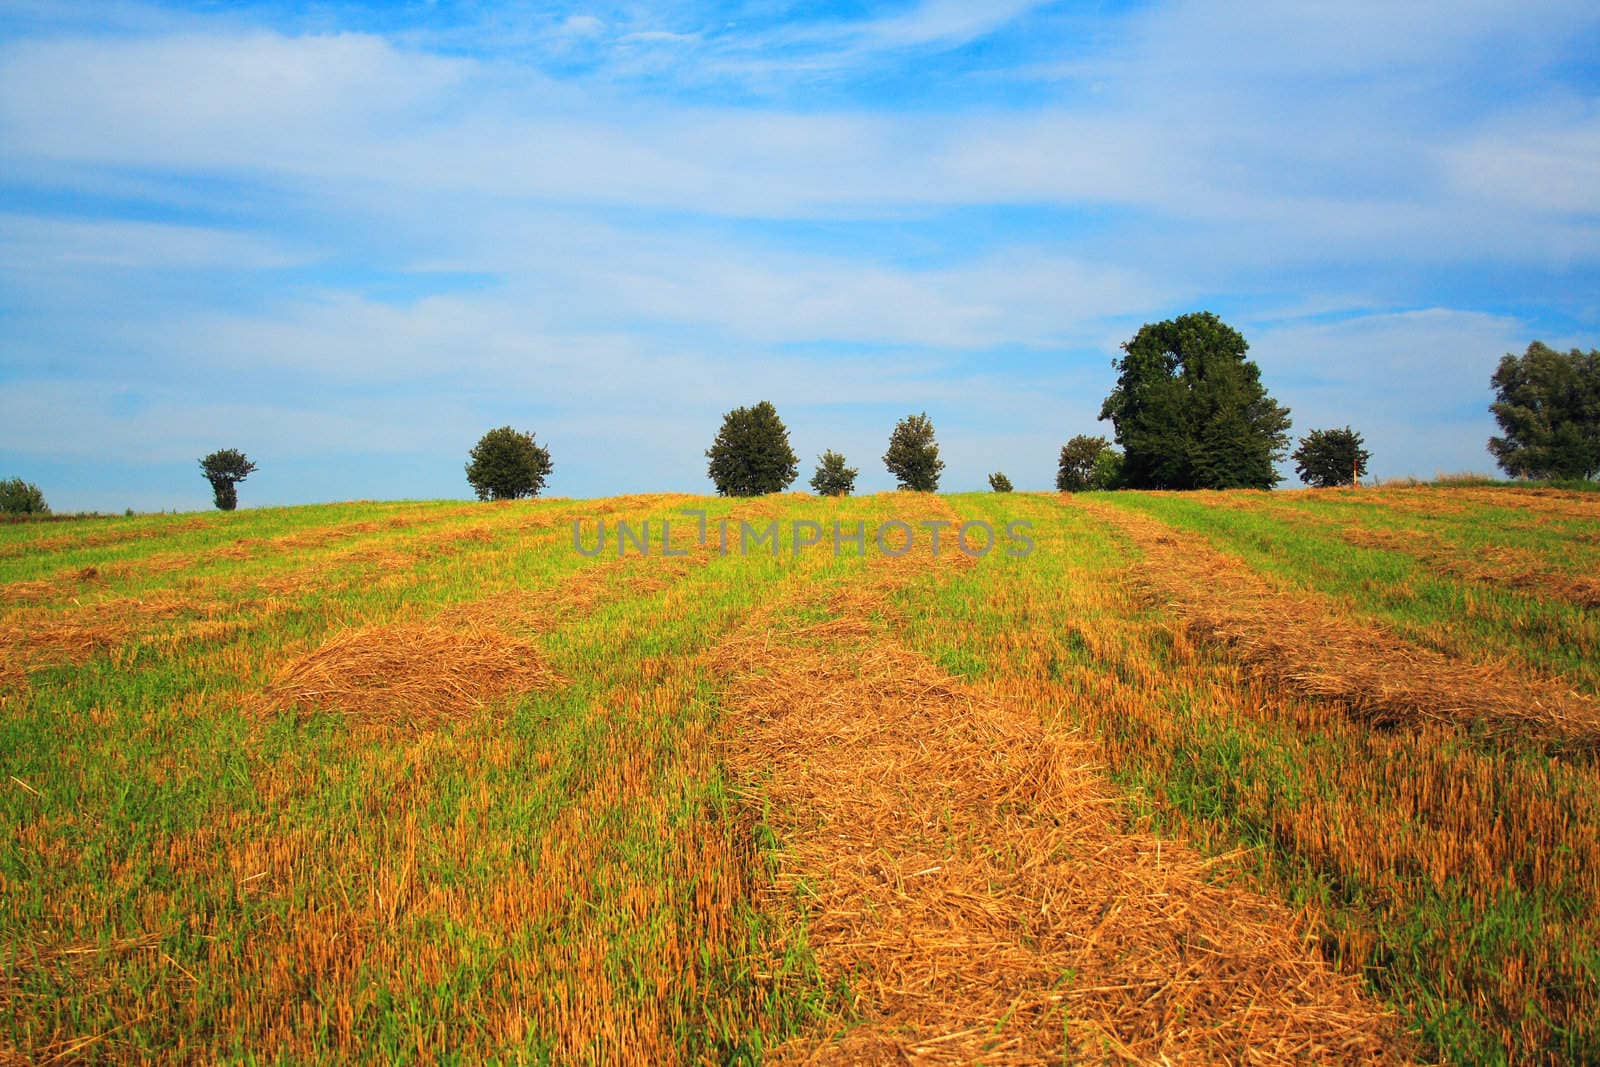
x=838 y=43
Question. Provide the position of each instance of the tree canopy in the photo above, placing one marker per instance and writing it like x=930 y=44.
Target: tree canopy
x=913 y=456
x=507 y=464
x=18 y=497
x=999 y=482
x=225 y=469
x=1548 y=406
x=1190 y=411
x=751 y=454
x=1327 y=458
x=1087 y=463
x=832 y=477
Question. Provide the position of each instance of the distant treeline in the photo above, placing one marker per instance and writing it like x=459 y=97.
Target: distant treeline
x=1188 y=411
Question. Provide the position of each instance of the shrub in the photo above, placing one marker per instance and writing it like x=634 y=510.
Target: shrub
x=999 y=482
x=833 y=478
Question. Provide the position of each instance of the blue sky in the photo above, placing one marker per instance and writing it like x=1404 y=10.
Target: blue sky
x=348 y=238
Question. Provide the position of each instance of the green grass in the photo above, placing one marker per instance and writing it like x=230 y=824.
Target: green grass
x=1470 y=619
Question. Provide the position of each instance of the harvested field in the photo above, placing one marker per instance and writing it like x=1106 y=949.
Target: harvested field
x=1306 y=641
x=24 y=592
x=1232 y=777
x=41 y=637
x=1514 y=568
x=1560 y=502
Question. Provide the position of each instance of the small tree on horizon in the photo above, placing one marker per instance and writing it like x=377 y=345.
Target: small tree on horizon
x=1107 y=470
x=507 y=464
x=832 y=477
x=1330 y=458
x=1548 y=406
x=1082 y=460
x=18 y=497
x=999 y=482
x=913 y=456
x=751 y=455
x=225 y=469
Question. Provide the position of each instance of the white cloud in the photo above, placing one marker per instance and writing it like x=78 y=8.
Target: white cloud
x=249 y=100
x=657 y=37
x=30 y=245
x=344 y=116
x=937 y=23
x=1543 y=162
x=582 y=26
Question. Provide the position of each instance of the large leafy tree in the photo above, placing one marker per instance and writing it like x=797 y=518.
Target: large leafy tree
x=225 y=469
x=1190 y=411
x=832 y=477
x=1548 y=406
x=1327 y=458
x=751 y=455
x=507 y=464
x=913 y=456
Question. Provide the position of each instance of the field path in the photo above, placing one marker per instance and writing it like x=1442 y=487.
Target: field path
x=969 y=874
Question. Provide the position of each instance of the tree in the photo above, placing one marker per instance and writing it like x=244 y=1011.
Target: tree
x=913 y=456
x=18 y=497
x=1079 y=456
x=1548 y=406
x=833 y=478
x=1190 y=411
x=225 y=469
x=751 y=455
x=507 y=464
x=999 y=482
x=1107 y=470
x=1327 y=458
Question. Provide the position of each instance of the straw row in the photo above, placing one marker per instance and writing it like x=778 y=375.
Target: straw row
x=969 y=875
x=1306 y=641
x=409 y=674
